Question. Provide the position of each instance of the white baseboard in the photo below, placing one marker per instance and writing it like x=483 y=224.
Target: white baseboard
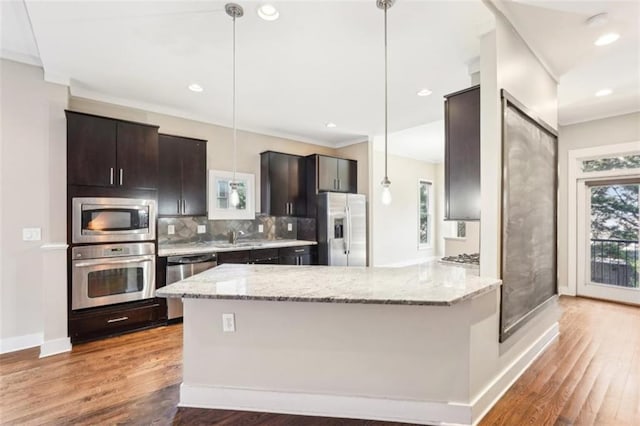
x=497 y=388
x=420 y=412
x=17 y=343
x=54 y=347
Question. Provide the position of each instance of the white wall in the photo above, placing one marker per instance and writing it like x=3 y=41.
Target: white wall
x=33 y=195
x=395 y=227
x=468 y=244
x=606 y=131
x=506 y=63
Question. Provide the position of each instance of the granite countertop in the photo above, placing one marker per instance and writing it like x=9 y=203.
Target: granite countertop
x=429 y=283
x=219 y=246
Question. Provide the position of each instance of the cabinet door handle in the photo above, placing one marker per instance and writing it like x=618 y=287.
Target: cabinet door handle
x=184 y=206
x=179 y=204
x=121 y=176
x=111 y=176
x=334 y=184
x=339 y=184
x=118 y=319
x=299 y=251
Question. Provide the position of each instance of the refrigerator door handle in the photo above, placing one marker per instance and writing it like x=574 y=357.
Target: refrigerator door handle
x=346 y=238
x=349 y=233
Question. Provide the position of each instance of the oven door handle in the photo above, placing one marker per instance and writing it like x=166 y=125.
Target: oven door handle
x=110 y=262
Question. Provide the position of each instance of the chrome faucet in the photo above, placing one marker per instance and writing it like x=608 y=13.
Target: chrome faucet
x=233 y=236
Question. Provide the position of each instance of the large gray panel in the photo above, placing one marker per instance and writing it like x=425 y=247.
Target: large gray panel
x=529 y=196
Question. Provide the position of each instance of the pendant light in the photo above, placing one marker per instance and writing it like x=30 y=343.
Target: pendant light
x=235 y=11
x=386 y=183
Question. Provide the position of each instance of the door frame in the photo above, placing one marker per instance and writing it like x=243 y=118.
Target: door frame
x=576 y=179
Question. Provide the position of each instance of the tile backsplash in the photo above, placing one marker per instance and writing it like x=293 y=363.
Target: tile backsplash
x=217 y=230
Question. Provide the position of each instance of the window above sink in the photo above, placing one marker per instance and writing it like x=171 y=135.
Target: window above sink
x=218 y=195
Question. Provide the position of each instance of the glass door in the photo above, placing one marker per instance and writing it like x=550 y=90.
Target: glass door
x=612 y=267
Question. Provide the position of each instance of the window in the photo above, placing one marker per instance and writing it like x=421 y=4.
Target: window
x=219 y=205
x=424 y=213
x=612 y=163
x=461 y=231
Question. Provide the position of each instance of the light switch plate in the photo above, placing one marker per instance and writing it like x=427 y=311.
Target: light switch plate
x=171 y=229
x=289 y=226
x=31 y=234
x=202 y=229
x=260 y=228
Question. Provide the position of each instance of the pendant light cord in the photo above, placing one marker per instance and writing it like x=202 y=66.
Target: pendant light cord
x=386 y=178
x=234 y=101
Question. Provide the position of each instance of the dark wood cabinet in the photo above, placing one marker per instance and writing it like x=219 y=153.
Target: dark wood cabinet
x=239 y=256
x=283 y=187
x=182 y=183
x=299 y=255
x=331 y=174
x=462 y=155
x=103 y=322
x=107 y=152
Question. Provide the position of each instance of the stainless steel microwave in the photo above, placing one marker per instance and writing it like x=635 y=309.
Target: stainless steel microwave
x=99 y=220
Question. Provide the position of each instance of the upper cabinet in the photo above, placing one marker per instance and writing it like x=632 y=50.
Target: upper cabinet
x=331 y=174
x=282 y=181
x=182 y=183
x=107 y=152
x=462 y=155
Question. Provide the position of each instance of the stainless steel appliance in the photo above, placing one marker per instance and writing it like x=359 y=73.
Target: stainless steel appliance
x=342 y=229
x=105 y=274
x=181 y=267
x=100 y=220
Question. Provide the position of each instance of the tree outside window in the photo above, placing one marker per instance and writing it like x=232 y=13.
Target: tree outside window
x=424 y=215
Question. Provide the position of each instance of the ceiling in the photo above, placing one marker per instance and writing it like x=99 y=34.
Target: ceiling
x=320 y=61
x=424 y=142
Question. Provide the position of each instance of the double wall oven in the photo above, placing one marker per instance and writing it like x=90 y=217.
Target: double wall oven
x=113 y=253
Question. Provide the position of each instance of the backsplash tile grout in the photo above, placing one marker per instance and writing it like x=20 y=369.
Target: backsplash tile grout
x=275 y=228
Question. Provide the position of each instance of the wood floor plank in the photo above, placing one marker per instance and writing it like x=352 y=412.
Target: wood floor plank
x=589 y=376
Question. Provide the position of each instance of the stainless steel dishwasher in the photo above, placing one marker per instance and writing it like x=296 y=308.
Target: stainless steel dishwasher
x=181 y=267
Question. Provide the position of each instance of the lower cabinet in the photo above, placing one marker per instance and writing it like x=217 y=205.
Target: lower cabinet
x=301 y=255
x=103 y=322
x=296 y=255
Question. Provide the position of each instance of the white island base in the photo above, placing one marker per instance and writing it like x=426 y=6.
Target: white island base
x=400 y=362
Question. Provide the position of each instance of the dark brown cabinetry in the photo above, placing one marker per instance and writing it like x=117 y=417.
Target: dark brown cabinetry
x=182 y=183
x=283 y=189
x=462 y=155
x=99 y=323
x=296 y=255
x=331 y=174
x=107 y=152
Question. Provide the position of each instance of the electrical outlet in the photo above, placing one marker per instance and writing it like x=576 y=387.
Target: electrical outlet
x=260 y=228
x=171 y=229
x=31 y=234
x=228 y=323
x=289 y=226
x=202 y=229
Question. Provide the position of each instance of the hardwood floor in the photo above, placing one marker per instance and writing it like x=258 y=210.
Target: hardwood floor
x=589 y=376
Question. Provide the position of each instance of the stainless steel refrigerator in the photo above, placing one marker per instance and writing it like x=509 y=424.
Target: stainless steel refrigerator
x=342 y=229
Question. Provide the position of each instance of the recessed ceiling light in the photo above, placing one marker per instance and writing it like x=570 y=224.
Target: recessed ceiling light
x=424 y=92
x=605 y=39
x=195 y=87
x=330 y=125
x=268 y=12
x=604 y=92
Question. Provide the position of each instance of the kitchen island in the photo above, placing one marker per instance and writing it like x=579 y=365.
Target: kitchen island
x=415 y=344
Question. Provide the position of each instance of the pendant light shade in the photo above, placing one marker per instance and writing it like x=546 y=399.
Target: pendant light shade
x=235 y=11
x=385 y=196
